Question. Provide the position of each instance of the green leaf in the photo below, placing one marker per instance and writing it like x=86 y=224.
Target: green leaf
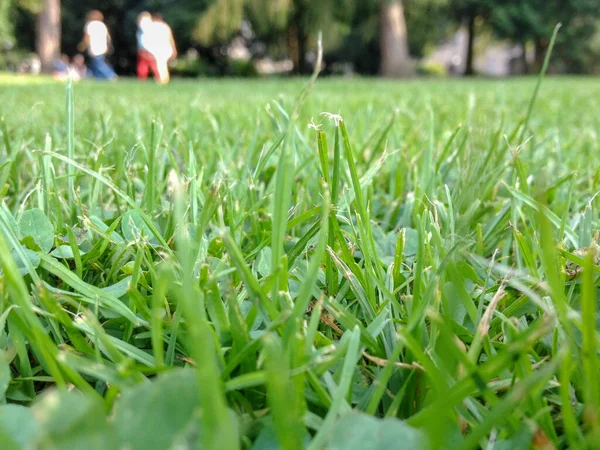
x=72 y=421
x=35 y=224
x=127 y=268
x=385 y=244
x=5 y=377
x=65 y=252
x=103 y=228
x=91 y=294
x=263 y=261
x=134 y=227
x=161 y=414
x=363 y=432
x=521 y=439
x=118 y=289
x=267 y=440
x=412 y=242
x=33 y=257
x=12 y=223
x=18 y=425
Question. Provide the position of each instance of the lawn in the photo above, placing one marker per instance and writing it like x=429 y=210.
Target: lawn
x=230 y=264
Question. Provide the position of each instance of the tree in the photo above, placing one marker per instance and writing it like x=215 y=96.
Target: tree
x=427 y=23
x=466 y=13
x=395 y=60
x=290 y=23
x=532 y=21
x=6 y=28
x=8 y=13
x=47 y=29
x=518 y=22
x=48 y=34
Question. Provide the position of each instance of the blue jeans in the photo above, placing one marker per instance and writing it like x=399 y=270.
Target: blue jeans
x=100 y=69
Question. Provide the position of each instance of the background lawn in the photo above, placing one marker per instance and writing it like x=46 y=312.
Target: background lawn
x=433 y=257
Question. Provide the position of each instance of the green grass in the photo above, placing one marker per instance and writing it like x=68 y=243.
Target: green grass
x=208 y=269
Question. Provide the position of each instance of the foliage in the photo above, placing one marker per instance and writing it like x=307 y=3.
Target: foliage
x=192 y=68
x=156 y=416
x=533 y=21
x=428 y=24
x=290 y=24
x=432 y=69
x=268 y=18
x=194 y=263
x=6 y=29
x=426 y=21
x=8 y=11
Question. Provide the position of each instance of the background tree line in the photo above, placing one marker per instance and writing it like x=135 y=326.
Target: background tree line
x=375 y=36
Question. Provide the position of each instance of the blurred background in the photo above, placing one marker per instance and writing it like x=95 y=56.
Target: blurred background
x=245 y=38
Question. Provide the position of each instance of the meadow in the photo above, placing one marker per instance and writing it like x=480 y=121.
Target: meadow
x=237 y=264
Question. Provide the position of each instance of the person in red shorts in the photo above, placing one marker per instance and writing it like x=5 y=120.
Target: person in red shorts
x=146 y=61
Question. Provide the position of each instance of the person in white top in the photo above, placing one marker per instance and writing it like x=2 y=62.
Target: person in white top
x=96 y=41
x=162 y=47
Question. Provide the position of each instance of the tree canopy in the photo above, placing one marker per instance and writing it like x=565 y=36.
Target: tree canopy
x=532 y=21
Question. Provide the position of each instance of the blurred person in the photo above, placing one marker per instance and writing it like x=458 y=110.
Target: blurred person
x=145 y=38
x=65 y=68
x=78 y=67
x=164 y=47
x=31 y=64
x=96 y=41
x=61 y=68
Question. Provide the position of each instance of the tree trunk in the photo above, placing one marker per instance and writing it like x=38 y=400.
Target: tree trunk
x=524 y=63
x=292 y=43
x=48 y=34
x=395 y=60
x=302 y=39
x=541 y=47
x=298 y=39
x=469 y=71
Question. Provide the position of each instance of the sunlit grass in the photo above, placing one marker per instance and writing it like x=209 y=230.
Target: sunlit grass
x=421 y=256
